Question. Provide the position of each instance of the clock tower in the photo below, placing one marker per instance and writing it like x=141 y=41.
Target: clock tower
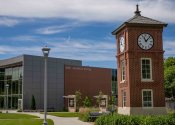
x=140 y=66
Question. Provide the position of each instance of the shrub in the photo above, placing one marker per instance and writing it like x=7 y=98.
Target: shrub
x=117 y=119
x=84 y=113
x=65 y=109
x=33 y=104
x=87 y=102
x=20 y=110
x=78 y=99
x=84 y=116
x=100 y=94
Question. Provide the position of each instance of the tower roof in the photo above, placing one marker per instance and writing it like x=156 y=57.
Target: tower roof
x=137 y=19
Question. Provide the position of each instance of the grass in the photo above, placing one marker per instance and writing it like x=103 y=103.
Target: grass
x=24 y=122
x=64 y=114
x=21 y=119
x=16 y=116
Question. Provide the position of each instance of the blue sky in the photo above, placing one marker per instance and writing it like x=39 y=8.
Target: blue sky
x=76 y=29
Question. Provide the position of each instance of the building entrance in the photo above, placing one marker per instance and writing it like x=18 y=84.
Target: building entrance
x=10 y=86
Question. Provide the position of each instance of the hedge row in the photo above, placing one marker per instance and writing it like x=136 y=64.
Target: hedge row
x=117 y=119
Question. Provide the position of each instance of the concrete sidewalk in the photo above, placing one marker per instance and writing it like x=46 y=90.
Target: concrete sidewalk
x=60 y=120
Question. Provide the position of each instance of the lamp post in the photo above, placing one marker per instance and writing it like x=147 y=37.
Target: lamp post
x=7 y=88
x=46 y=54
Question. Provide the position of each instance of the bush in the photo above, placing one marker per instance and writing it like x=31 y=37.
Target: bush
x=33 y=104
x=20 y=110
x=117 y=119
x=78 y=99
x=65 y=109
x=87 y=102
x=84 y=116
x=84 y=113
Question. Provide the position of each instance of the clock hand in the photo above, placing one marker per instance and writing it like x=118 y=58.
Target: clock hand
x=147 y=39
x=144 y=38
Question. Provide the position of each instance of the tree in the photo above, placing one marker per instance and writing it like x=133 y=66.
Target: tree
x=169 y=77
x=112 y=100
x=99 y=97
x=87 y=102
x=33 y=104
x=78 y=98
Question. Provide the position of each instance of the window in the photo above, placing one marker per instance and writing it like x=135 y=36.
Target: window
x=123 y=98
x=146 y=69
x=114 y=82
x=122 y=70
x=147 y=98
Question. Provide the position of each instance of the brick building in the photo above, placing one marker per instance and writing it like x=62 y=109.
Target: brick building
x=140 y=66
x=90 y=80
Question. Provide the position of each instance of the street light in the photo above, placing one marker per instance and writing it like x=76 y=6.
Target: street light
x=46 y=54
x=7 y=88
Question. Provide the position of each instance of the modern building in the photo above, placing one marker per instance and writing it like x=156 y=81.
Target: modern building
x=25 y=76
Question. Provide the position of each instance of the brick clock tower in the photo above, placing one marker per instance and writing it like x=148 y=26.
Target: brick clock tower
x=140 y=66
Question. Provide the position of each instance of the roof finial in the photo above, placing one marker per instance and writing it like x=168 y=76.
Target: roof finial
x=137 y=12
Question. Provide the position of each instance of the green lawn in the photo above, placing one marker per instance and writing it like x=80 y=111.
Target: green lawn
x=21 y=119
x=16 y=116
x=24 y=122
x=64 y=114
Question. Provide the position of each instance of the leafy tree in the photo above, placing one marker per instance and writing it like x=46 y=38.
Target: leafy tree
x=112 y=100
x=99 y=97
x=169 y=76
x=87 y=102
x=78 y=98
x=170 y=61
x=33 y=104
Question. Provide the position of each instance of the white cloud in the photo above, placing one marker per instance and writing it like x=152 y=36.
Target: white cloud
x=159 y=9
x=72 y=49
x=86 y=50
x=4 y=21
x=57 y=29
x=23 y=38
x=88 y=10
x=169 y=47
x=81 y=49
x=5 y=49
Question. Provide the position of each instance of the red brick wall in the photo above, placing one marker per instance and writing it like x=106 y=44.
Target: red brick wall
x=88 y=80
x=132 y=57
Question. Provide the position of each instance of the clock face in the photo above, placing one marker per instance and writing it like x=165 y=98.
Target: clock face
x=122 y=44
x=145 y=41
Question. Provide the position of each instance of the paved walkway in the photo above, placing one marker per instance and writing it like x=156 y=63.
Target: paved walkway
x=61 y=120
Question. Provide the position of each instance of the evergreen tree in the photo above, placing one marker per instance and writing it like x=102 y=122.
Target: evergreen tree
x=33 y=104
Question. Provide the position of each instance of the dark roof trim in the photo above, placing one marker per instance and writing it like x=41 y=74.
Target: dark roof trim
x=136 y=24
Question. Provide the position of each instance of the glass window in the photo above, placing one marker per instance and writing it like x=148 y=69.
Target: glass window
x=123 y=98
x=122 y=70
x=20 y=73
x=13 y=77
x=15 y=73
x=114 y=81
x=146 y=68
x=147 y=98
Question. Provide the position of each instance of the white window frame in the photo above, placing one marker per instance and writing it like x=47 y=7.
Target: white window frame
x=151 y=98
x=150 y=79
x=123 y=70
x=123 y=98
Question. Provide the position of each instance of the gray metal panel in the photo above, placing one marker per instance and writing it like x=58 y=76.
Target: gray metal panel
x=33 y=81
x=33 y=77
